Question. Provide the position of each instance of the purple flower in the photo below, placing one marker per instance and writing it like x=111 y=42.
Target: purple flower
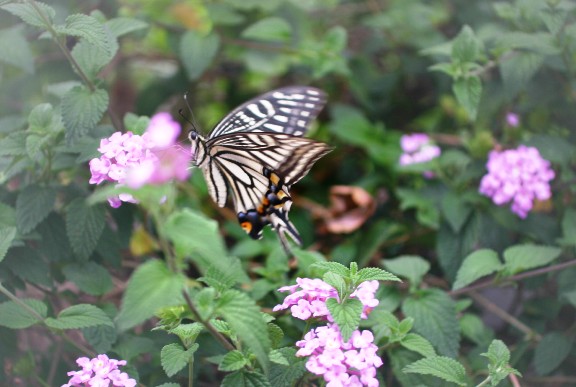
x=310 y=301
x=99 y=372
x=351 y=363
x=512 y=119
x=519 y=176
x=132 y=160
x=418 y=148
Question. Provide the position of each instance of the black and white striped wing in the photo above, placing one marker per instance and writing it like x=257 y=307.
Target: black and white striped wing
x=287 y=110
x=237 y=162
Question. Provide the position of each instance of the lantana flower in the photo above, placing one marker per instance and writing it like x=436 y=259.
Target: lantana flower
x=99 y=372
x=132 y=160
x=350 y=363
x=519 y=176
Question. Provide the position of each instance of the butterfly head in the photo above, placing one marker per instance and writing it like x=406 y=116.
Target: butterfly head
x=198 y=148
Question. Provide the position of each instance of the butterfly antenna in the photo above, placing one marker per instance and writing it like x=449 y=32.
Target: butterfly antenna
x=192 y=120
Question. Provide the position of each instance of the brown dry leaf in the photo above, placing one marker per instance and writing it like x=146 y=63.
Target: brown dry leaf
x=349 y=208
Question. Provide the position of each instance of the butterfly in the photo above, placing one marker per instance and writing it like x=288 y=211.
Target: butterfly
x=257 y=152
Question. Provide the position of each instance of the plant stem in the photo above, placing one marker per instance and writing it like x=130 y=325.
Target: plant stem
x=484 y=382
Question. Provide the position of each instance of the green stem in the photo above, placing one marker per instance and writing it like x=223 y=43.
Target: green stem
x=191 y=373
x=484 y=382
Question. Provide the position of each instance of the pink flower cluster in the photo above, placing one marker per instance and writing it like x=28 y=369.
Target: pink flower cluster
x=418 y=148
x=519 y=176
x=310 y=300
x=132 y=160
x=351 y=363
x=99 y=372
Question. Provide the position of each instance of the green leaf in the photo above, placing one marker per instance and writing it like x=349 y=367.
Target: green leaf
x=187 y=332
x=169 y=385
x=478 y=264
x=88 y=28
x=334 y=267
x=523 y=257
x=466 y=47
x=84 y=226
x=551 y=351
x=285 y=372
x=434 y=315
x=14 y=144
x=174 y=357
x=499 y=357
x=346 y=315
x=473 y=328
x=28 y=12
x=243 y=315
x=374 y=274
x=411 y=267
x=245 y=379
x=269 y=29
x=92 y=59
x=33 y=205
x=124 y=25
x=27 y=264
x=468 y=91
x=443 y=367
x=569 y=227
x=82 y=110
x=233 y=361
x=7 y=235
x=455 y=210
x=543 y=43
x=337 y=282
x=197 y=52
x=15 y=316
x=518 y=70
x=427 y=211
x=90 y=277
x=100 y=337
x=198 y=238
x=79 y=316
x=15 y=49
x=417 y=343
x=152 y=287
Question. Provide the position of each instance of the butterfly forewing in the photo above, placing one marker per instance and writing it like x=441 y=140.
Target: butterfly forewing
x=288 y=110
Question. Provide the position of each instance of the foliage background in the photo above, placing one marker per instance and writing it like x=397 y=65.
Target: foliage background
x=451 y=68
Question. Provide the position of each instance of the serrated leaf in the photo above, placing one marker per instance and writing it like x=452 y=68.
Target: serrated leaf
x=286 y=368
x=337 y=282
x=84 y=225
x=434 y=315
x=33 y=205
x=519 y=69
x=28 y=12
x=346 y=315
x=499 y=356
x=15 y=316
x=90 y=277
x=466 y=46
x=334 y=267
x=417 y=343
x=523 y=257
x=92 y=59
x=243 y=316
x=551 y=352
x=187 y=332
x=152 y=287
x=468 y=91
x=88 y=28
x=478 y=264
x=440 y=366
x=269 y=29
x=100 y=337
x=27 y=264
x=124 y=25
x=82 y=110
x=455 y=210
x=197 y=52
x=374 y=274
x=411 y=267
x=7 y=235
x=174 y=357
x=473 y=328
x=233 y=361
x=79 y=316
x=14 y=144
x=15 y=49
x=245 y=379
x=543 y=43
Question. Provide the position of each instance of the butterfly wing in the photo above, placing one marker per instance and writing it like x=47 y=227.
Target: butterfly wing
x=287 y=110
x=238 y=162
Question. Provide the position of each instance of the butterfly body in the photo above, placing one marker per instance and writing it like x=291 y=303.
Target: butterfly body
x=256 y=153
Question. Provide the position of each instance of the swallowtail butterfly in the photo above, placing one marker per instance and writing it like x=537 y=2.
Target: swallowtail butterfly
x=257 y=153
